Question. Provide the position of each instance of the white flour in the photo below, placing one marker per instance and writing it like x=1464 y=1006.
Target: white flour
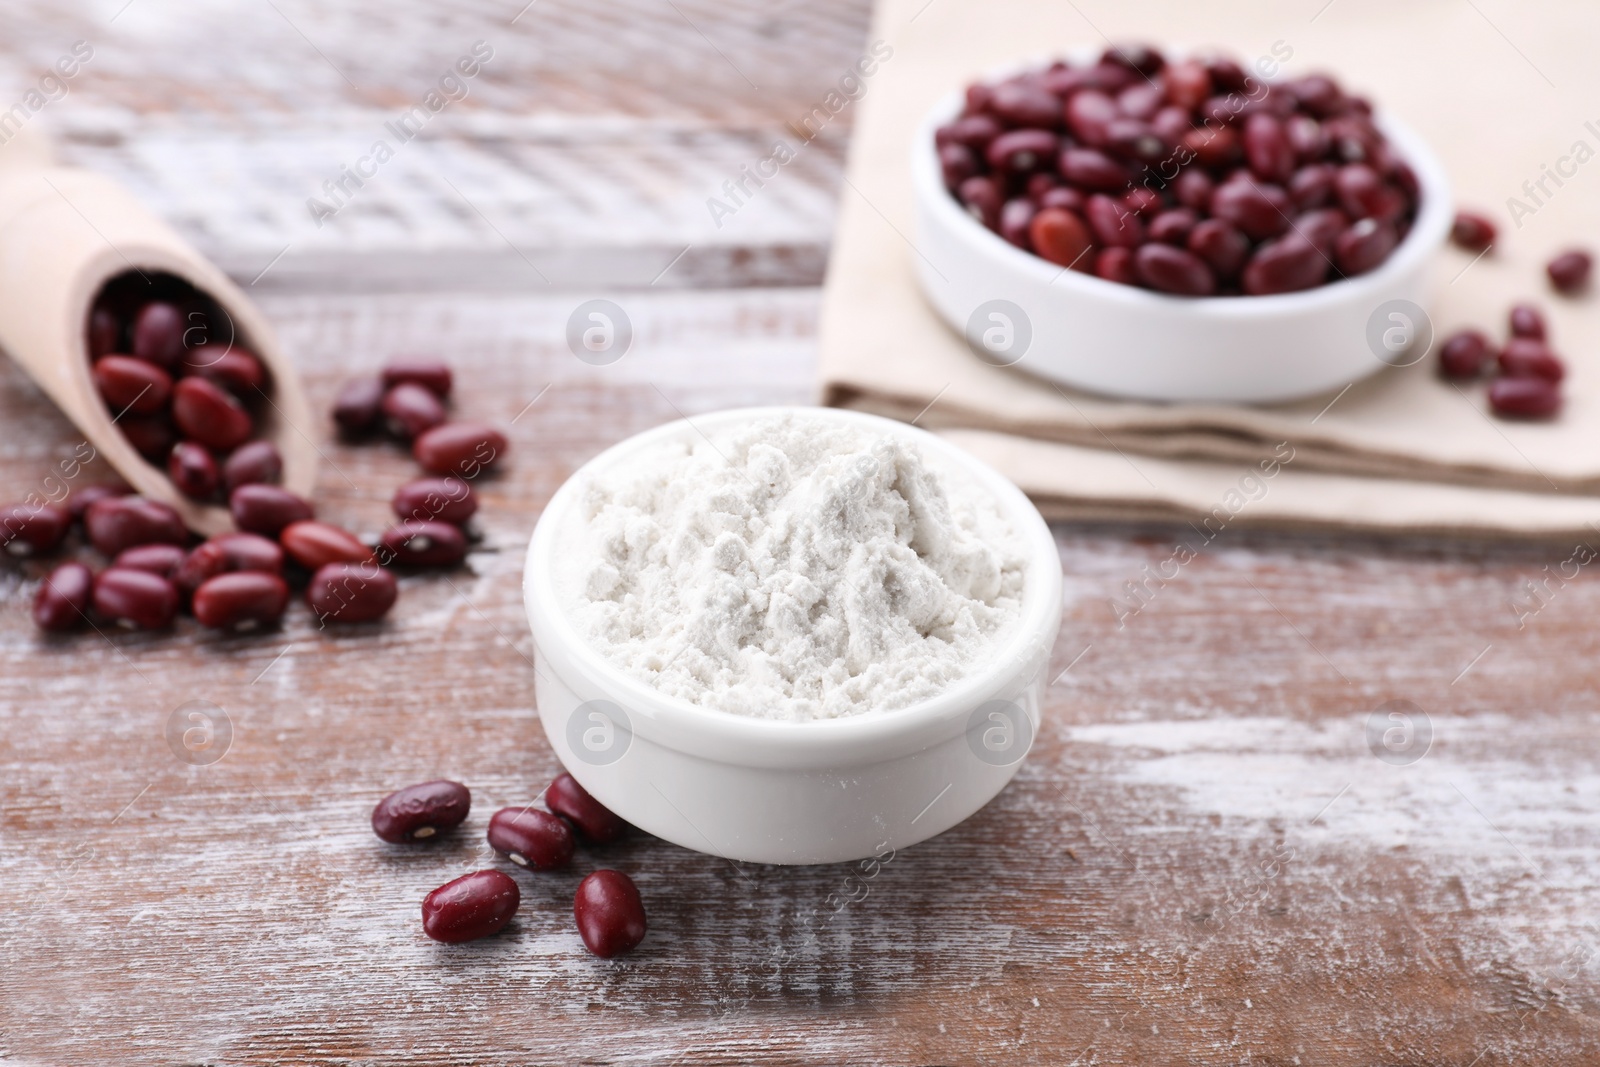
x=795 y=569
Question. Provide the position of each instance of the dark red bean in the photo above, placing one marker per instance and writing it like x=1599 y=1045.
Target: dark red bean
x=1306 y=137
x=1172 y=270
x=1135 y=139
x=465 y=449
x=1143 y=201
x=132 y=385
x=150 y=435
x=1311 y=186
x=1527 y=357
x=235 y=370
x=593 y=819
x=1472 y=231
x=973 y=131
x=444 y=499
x=1286 y=265
x=1065 y=197
x=473 y=906
x=1364 y=246
x=1214 y=146
x=1261 y=210
x=105 y=333
x=1193 y=189
x=1060 y=236
x=1090 y=168
x=227 y=553
x=1188 y=84
x=1464 y=354
x=1173 y=226
x=210 y=414
x=80 y=499
x=1116 y=265
x=1525 y=398
x=117 y=523
x=978 y=96
x=1569 y=272
x=1022 y=151
x=1015 y=215
x=432 y=374
x=609 y=913
x=1139 y=58
x=1017 y=103
x=1041 y=183
x=1322 y=228
x=409 y=409
x=531 y=838
x=135 y=599
x=266 y=509
x=1363 y=194
x=1222 y=245
x=157 y=559
x=241 y=600
x=423 y=544
x=62 y=603
x=33 y=529
x=1527 y=321
x=1088 y=114
x=314 y=544
x=351 y=592
x=981 y=197
x=1317 y=93
x=252 y=463
x=1142 y=100
x=956 y=164
x=1112 y=224
x=421 y=812
x=1226 y=74
x=359 y=405
x=193 y=470
x=158 y=334
x=1171 y=124
x=1267 y=148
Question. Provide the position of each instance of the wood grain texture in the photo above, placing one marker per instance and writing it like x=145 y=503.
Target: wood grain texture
x=1201 y=862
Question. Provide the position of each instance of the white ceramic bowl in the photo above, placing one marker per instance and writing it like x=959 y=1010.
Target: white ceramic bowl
x=790 y=792
x=1129 y=342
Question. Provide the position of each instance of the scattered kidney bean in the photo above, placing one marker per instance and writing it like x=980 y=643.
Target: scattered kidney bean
x=266 y=509
x=80 y=499
x=420 y=812
x=461 y=448
x=594 y=820
x=409 y=409
x=431 y=374
x=531 y=838
x=236 y=371
x=1286 y=265
x=1527 y=398
x=1364 y=246
x=132 y=385
x=159 y=559
x=1059 y=236
x=1526 y=321
x=241 y=600
x=424 y=544
x=209 y=414
x=314 y=544
x=152 y=437
x=135 y=599
x=193 y=470
x=116 y=523
x=1464 y=354
x=33 y=529
x=1569 y=272
x=609 y=913
x=351 y=592
x=252 y=463
x=1172 y=270
x=1528 y=357
x=226 y=553
x=62 y=603
x=445 y=499
x=359 y=405
x=158 y=334
x=1472 y=231
x=472 y=906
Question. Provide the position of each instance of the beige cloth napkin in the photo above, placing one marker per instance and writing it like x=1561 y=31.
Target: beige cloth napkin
x=1489 y=108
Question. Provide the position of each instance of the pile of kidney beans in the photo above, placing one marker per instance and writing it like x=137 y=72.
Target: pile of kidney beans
x=1190 y=177
x=607 y=908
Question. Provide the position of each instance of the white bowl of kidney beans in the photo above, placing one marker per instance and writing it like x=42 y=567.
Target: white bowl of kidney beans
x=1172 y=230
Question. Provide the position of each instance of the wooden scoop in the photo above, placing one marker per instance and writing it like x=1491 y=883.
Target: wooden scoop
x=64 y=233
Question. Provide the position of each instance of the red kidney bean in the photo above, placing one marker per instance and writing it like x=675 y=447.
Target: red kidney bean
x=445 y=499
x=1018 y=103
x=1311 y=187
x=1136 y=140
x=1226 y=74
x=461 y=448
x=62 y=603
x=1060 y=236
x=116 y=523
x=105 y=333
x=1285 y=265
x=33 y=529
x=1171 y=124
x=1322 y=228
x=1362 y=193
x=956 y=164
x=224 y=554
x=241 y=600
x=1317 y=93
x=1351 y=138
x=1222 y=245
x=981 y=197
x=314 y=544
x=1260 y=210
x=1173 y=226
x=1305 y=137
x=432 y=374
x=1188 y=84
x=209 y=414
x=135 y=599
x=1464 y=354
x=351 y=592
x=1364 y=245
x=593 y=819
x=1267 y=148
x=609 y=913
x=1015 y=215
x=1088 y=114
x=1142 y=100
x=531 y=838
x=359 y=405
x=1112 y=224
x=132 y=385
x=1172 y=270
x=1090 y=168
x=1193 y=189
x=972 y=131
x=1214 y=146
x=204 y=561
x=159 y=559
x=1064 y=197
x=151 y=436
x=1527 y=398
x=1472 y=231
x=1041 y=183
x=1116 y=265
x=1527 y=357
x=252 y=463
x=193 y=470
x=1022 y=151
x=158 y=334
x=1569 y=272
x=423 y=544
x=472 y=906
x=266 y=509
x=1527 y=321
x=421 y=812
x=80 y=499
x=236 y=371
x=1139 y=58
x=1142 y=201
x=978 y=97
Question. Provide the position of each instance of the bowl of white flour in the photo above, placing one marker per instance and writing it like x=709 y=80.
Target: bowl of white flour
x=791 y=635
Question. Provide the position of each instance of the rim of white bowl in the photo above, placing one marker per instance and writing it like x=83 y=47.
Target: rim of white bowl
x=1426 y=234
x=681 y=725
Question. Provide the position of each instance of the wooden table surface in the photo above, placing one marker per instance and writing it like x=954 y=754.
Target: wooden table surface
x=1204 y=860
